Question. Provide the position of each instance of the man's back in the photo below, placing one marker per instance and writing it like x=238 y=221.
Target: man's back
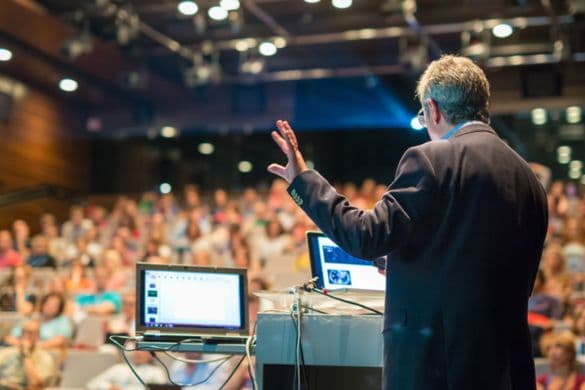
x=463 y=225
x=458 y=286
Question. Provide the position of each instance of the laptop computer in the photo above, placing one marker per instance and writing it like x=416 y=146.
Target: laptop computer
x=202 y=304
x=337 y=270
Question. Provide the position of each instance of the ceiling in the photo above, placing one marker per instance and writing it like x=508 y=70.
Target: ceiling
x=142 y=64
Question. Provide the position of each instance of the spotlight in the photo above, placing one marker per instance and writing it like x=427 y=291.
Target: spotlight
x=575 y=173
x=165 y=188
x=573 y=114
x=538 y=116
x=77 y=46
x=242 y=45
x=252 y=66
x=5 y=54
x=341 y=4
x=312 y=1
x=217 y=13
x=245 y=166
x=279 y=42
x=415 y=124
x=502 y=30
x=169 y=132
x=206 y=148
x=576 y=165
x=68 y=85
x=267 y=48
x=564 y=154
x=188 y=8
x=230 y=5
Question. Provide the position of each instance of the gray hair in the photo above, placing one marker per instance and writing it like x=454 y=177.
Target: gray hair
x=459 y=87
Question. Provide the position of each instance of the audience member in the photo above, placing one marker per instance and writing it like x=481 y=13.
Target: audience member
x=119 y=377
x=8 y=256
x=562 y=372
x=27 y=365
x=102 y=301
x=56 y=329
x=39 y=254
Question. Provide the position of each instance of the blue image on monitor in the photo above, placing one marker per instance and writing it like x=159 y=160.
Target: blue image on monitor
x=334 y=254
x=339 y=276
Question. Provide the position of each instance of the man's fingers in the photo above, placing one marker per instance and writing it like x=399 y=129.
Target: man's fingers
x=291 y=135
x=277 y=169
x=282 y=144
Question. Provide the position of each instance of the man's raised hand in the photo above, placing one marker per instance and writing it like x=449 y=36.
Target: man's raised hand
x=286 y=139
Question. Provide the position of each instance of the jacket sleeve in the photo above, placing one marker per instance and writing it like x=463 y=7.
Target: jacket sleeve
x=370 y=233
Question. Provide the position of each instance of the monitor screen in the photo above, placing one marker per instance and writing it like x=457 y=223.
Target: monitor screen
x=336 y=269
x=177 y=298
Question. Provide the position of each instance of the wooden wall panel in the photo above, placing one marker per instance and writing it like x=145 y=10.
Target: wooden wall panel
x=38 y=145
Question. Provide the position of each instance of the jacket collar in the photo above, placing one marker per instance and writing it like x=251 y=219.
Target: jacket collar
x=474 y=128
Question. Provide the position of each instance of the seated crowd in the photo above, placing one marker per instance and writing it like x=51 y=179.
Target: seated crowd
x=72 y=281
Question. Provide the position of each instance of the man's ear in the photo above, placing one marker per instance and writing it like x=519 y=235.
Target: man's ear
x=434 y=112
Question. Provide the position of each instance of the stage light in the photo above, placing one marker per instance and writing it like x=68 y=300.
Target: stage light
x=279 y=42
x=564 y=154
x=206 y=148
x=502 y=30
x=217 y=13
x=573 y=114
x=267 y=48
x=242 y=45
x=341 y=4
x=168 y=132
x=245 y=166
x=312 y=1
x=165 y=188
x=5 y=54
x=188 y=8
x=415 y=124
x=538 y=116
x=68 y=85
x=575 y=173
x=230 y=5
x=252 y=66
x=576 y=165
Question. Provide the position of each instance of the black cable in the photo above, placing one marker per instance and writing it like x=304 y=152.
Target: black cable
x=303 y=368
x=326 y=293
x=153 y=353
x=233 y=372
x=132 y=368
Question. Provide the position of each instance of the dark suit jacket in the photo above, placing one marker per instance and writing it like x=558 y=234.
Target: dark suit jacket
x=463 y=225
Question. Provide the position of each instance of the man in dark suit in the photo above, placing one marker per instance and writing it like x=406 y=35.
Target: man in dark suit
x=463 y=225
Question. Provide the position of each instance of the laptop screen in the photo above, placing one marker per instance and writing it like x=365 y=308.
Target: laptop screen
x=336 y=269
x=189 y=299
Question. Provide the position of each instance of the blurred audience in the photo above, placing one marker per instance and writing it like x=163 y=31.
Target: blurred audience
x=56 y=329
x=63 y=273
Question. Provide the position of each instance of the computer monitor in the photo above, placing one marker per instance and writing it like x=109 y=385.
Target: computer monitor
x=191 y=300
x=337 y=270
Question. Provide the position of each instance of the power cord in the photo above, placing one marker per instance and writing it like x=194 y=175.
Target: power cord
x=123 y=349
x=153 y=353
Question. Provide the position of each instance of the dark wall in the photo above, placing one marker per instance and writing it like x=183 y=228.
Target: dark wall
x=137 y=164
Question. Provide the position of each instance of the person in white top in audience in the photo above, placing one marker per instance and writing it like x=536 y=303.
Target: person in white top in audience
x=77 y=225
x=119 y=376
